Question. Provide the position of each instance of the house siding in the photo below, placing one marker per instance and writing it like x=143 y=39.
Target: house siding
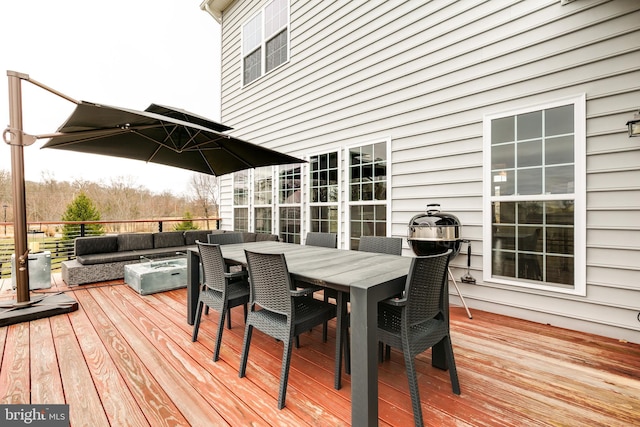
x=423 y=75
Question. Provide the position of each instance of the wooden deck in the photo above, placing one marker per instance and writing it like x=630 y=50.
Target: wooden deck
x=127 y=360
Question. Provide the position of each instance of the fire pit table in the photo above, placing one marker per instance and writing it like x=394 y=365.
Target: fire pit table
x=159 y=275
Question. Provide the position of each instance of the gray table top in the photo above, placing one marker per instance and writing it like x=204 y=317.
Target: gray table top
x=333 y=268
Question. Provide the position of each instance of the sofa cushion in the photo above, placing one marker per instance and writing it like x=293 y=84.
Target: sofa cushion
x=248 y=237
x=167 y=239
x=92 y=259
x=95 y=245
x=171 y=252
x=190 y=236
x=134 y=241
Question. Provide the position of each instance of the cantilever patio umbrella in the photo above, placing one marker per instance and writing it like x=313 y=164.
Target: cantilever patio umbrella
x=164 y=135
x=159 y=138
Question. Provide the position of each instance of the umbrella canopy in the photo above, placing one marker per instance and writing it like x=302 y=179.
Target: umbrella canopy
x=186 y=116
x=160 y=138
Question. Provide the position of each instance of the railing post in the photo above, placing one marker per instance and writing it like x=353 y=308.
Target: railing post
x=217 y=224
x=160 y=226
x=82 y=230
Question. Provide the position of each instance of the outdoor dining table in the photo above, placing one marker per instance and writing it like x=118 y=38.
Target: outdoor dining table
x=367 y=277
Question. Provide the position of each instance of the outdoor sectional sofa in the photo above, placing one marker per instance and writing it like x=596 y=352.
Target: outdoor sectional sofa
x=102 y=258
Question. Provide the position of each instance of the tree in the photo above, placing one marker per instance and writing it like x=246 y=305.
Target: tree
x=81 y=209
x=205 y=189
x=186 y=224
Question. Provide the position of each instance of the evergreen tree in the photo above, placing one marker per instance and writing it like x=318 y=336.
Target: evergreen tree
x=186 y=224
x=81 y=209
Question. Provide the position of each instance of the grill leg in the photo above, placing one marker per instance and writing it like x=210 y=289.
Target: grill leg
x=460 y=295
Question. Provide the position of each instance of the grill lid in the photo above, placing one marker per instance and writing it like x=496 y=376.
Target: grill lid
x=434 y=225
x=434 y=232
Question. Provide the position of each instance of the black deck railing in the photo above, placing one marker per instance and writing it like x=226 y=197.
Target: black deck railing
x=57 y=237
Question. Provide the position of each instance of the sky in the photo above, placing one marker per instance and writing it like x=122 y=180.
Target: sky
x=124 y=53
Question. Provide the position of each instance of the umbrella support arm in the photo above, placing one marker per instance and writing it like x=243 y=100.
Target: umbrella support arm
x=23 y=76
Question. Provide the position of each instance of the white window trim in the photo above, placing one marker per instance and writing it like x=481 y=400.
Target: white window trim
x=580 y=118
x=349 y=203
x=263 y=45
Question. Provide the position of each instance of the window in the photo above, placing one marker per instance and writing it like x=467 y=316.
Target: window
x=265 y=40
x=534 y=195
x=289 y=199
x=324 y=194
x=252 y=200
x=368 y=210
x=262 y=199
x=241 y=201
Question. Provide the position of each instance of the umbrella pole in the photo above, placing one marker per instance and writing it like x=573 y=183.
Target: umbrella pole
x=18 y=184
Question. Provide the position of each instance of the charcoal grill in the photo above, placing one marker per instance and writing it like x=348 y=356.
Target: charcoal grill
x=434 y=232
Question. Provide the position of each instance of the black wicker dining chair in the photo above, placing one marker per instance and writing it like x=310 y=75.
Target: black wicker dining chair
x=278 y=309
x=222 y=238
x=225 y=238
x=325 y=240
x=220 y=290
x=418 y=320
x=381 y=245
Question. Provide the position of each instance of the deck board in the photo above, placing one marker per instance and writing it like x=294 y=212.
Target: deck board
x=87 y=409
x=125 y=359
x=119 y=402
x=46 y=383
x=15 y=367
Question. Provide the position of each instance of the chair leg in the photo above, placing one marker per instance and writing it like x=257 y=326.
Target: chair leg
x=388 y=352
x=453 y=372
x=196 y=324
x=347 y=350
x=216 y=350
x=245 y=350
x=206 y=310
x=413 y=389
x=245 y=312
x=325 y=325
x=229 y=318
x=284 y=374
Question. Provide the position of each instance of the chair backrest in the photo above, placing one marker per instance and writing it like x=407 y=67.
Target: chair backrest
x=213 y=265
x=425 y=288
x=326 y=240
x=381 y=245
x=269 y=282
x=225 y=238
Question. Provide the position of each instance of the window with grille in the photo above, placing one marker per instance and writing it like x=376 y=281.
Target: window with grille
x=368 y=210
x=289 y=200
x=324 y=192
x=534 y=194
x=263 y=199
x=265 y=40
x=241 y=201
